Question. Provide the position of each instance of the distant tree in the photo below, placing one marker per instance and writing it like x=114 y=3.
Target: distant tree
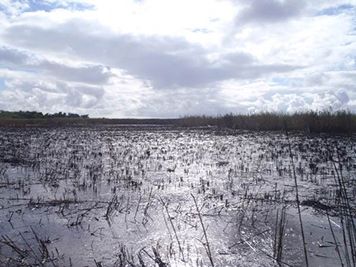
x=73 y=115
x=37 y=115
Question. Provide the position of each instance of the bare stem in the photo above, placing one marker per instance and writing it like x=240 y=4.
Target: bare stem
x=204 y=231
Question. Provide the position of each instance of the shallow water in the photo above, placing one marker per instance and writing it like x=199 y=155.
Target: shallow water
x=125 y=196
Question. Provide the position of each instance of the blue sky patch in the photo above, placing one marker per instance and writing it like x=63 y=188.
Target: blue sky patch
x=2 y=83
x=280 y=81
x=332 y=11
x=287 y=81
x=35 y=5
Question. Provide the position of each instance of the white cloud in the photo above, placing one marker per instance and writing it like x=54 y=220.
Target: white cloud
x=303 y=102
x=166 y=62
x=169 y=58
x=67 y=71
x=268 y=11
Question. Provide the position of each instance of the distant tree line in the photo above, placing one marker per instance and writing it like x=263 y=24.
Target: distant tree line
x=37 y=115
x=310 y=122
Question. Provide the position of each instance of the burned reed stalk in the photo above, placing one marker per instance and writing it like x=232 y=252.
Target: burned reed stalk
x=297 y=199
x=348 y=227
x=173 y=227
x=275 y=236
x=6 y=240
x=137 y=207
x=156 y=258
x=279 y=235
x=244 y=208
x=335 y=240
x=42 y=246
x=113 y=205
x=30 y=248
x=204 y=231
x=351 y=228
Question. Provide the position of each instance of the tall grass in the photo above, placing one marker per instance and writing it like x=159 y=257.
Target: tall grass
x=311 y=121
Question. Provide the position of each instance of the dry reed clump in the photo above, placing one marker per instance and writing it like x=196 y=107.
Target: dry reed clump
x=328 y=122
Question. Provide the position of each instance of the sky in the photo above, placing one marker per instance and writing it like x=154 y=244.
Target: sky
x=171 y=58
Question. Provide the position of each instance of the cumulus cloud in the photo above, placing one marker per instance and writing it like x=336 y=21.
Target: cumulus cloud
x=150 y=58
x=86 y=73
x=164 y=61
x=49 y=96
x=325 y=101
x=269 y=11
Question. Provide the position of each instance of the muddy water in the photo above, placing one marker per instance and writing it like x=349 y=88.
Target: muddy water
x=177 y=197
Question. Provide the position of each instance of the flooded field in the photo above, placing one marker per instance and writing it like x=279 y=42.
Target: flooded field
x=152 y=196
